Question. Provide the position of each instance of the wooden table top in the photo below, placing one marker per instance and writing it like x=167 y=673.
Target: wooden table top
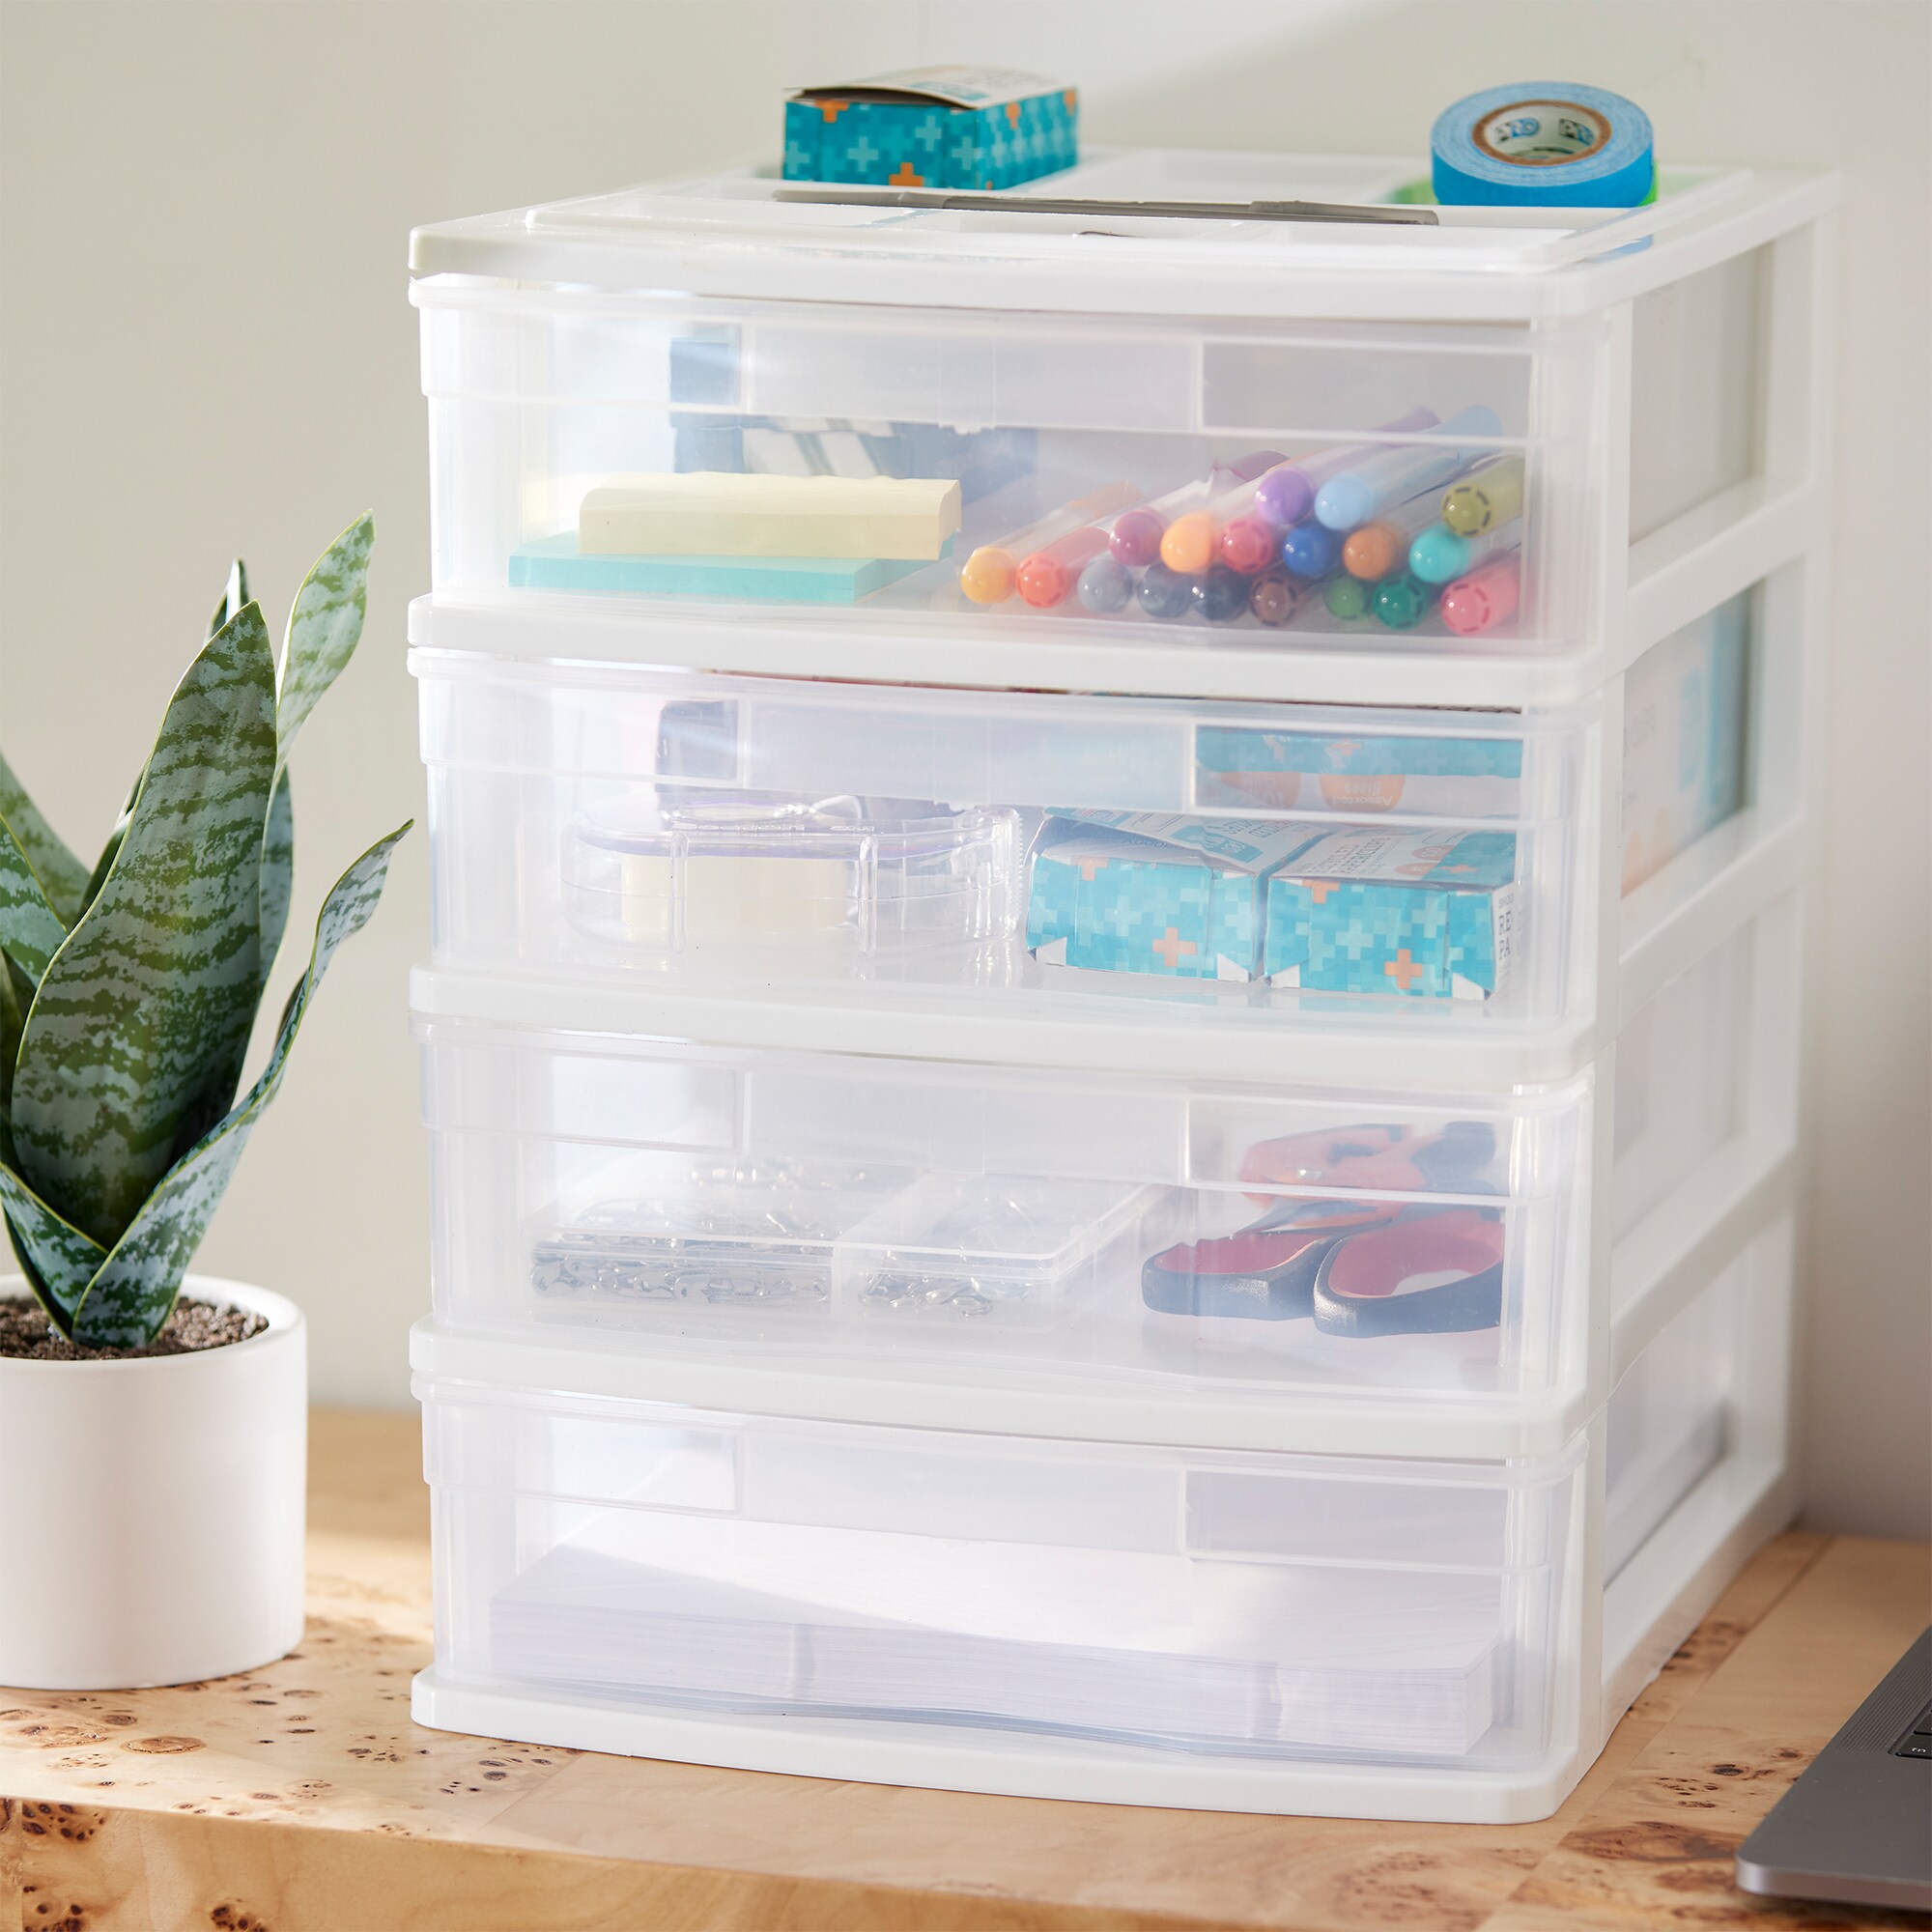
x=302 y=1795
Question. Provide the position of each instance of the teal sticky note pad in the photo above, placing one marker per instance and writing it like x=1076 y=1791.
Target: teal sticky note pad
x=554 y=563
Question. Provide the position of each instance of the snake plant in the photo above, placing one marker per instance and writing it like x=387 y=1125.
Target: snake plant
x=128 y=992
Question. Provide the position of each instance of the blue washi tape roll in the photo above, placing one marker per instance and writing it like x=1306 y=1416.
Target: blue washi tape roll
x=1543 y=144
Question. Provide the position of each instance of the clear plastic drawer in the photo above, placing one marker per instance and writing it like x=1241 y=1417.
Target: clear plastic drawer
x=643 y=1555
x=719 y=408
x=858 y=1215
x=1005 y=851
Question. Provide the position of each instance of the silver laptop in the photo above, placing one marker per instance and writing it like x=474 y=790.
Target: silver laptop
x=1857 y=1828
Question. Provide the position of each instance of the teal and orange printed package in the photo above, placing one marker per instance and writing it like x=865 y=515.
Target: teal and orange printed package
x=1428 y=914
x=933 y=127
x=1462 y=778
x=1151 y=892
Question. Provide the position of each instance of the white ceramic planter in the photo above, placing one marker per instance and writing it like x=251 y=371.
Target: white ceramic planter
x=151 y=1513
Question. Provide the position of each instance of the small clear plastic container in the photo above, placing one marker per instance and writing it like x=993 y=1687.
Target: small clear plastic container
x=680 y=870
x=713 y=1242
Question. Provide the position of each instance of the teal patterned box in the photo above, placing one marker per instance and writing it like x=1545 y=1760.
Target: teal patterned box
x=933 y=127
x=1149 y=891
x=1428 y=914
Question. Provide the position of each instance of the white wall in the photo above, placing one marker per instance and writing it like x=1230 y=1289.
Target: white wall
x=205 y=346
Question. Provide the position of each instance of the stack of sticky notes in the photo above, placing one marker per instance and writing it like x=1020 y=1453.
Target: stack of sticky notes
x=1427 y=914
x=1149 y=891
x=720 y=533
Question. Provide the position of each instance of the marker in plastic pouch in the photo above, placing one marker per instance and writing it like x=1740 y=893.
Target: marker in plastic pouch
x=1287 y=495
x=1355 y=494
x=988 y=576
x=1308 y=550
x=1274 y=599
x=1348 y=598
x=1379 y=547
x=1137 y=532
x=1163 y=592
x=1438 y=554
x=1486 y=597
x=1401 y=600
x=1048 y=575
x=1486 y=498
x=1105 y=586
x=1221 y=595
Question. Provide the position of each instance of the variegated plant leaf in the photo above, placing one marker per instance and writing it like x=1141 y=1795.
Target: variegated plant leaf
x=278 y=872
x=278 y=834
x=111 y=850
x=17 y=995
x=136 y=1286
x=133 y=1046
x=323 y=626
x=41 y=1293
x=59 y=1261
x=232 y=598
x=31 y=930
x=62 y=876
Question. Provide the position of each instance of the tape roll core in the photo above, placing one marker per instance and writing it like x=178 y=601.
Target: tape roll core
x=1542 y=133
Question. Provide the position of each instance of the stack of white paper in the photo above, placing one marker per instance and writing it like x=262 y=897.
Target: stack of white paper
x=1146 y=1646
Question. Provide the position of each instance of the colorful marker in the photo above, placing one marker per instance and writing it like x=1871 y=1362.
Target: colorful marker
x=1379 y=547
x=990 y=574
x=1402 y=601
x=1352 y=496
x=1308 y=550
x=1105 y=586
x=1287 y=495
x=1438 y=554
x=1348 y=598
x=1163 y=592
x=1192 y=542
x=1486 y=498
x=1274 y=599
x=1048 y=575
x=1247 y=545
x=1221 y=595
x=1137 y=532
x=1486 y=597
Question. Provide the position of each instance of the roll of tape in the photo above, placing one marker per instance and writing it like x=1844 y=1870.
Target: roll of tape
x=1543 y=144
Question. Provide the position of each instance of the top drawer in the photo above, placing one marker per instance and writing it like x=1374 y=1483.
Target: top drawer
x=1283 y=485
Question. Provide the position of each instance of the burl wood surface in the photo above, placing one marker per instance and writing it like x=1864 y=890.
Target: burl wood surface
x=302 y=1796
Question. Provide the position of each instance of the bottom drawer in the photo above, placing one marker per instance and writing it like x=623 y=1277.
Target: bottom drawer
x=1195 y=1627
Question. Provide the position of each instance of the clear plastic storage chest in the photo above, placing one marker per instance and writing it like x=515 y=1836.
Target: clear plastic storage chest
x=1125 y=1128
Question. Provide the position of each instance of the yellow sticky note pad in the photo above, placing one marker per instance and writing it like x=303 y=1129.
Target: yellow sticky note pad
x=721 y=513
